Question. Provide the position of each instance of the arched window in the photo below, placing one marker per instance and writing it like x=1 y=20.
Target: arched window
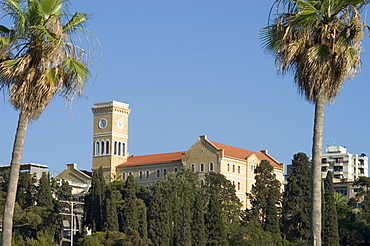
x=158 y=173
x=228 y=167
x=147 y=187
x=202 y=182
x=123 y=175
x=102 y=148
x=107 y=147
x=164 y=172
x=234 y=183
x=147 y=174
x=238 y=185
x=193 y=167
x=119 y=148
x=97 y=148
x=175 y=169
x=233 y=168
x=129 y=173
x=140 y=174
x=238 y=169
x=211 y=166
x=115 y=147
x=123 y=149
x=201 y=167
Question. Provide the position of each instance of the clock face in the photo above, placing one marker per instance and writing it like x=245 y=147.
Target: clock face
x=120 y=124
x=103 y=123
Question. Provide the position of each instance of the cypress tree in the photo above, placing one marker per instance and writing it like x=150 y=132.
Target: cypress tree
x=26 y=190
x=198 y=229
x=215 y=222
x=264 y=197
x=110 y=211
x=44 y=196
x=184 y=222
x=130 y=212
x=295 y=221
x=330 y=228
x=159 y=231
x=94 y=201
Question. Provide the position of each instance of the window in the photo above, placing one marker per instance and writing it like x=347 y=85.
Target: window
x=253 y=167
x=147 y=174
x=158 y=173
x=147 y=187
x=140 y=174
x=234 y=183
x=201 y=167
x=238 y=169
x=233 y=168
x=355 y=190
x=115 y=147
x=102 y=148
x=228 y=167
x=123 y=149
x=202 y=182
x=211 y=166
x=341 y=190
x=107 y=147
x=175 y=169
x=119 y=148
x=97 y=147
x=193 y=167
x=129 y=173
x=123 y=175
x=238 y=185
x=164 y=172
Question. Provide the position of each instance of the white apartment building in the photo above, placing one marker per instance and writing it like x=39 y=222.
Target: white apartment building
x=343 y=165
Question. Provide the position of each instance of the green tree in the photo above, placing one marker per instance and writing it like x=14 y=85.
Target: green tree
x=159 y=221
x=364 y=196
x=26 y=190
x=38 y=60
x=94 y=201
x=198 y=228
x=130 y=212
x=226 y=193
x=215 y=221
x=319 y=42
x=44 y=196
x=295 y=221
x=264 y=197
x=110 y=211
x=330 y=228
x=108 y=238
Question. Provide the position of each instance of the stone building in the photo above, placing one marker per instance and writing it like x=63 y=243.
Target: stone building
x=110 y=151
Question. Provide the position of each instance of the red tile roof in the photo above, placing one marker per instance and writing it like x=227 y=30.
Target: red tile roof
x=243 y=153
x=149 y=159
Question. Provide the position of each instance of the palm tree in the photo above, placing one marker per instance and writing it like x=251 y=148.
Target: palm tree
x=39 y=59
x=319 y=42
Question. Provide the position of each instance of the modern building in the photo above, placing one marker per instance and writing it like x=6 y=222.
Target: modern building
x=36 y=170
x=110 y=151
x=344 y=165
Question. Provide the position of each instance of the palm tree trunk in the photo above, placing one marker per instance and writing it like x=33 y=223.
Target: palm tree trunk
x=316 y=205
x=13 y=179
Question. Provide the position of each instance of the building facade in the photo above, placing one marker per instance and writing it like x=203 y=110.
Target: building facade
x=344 y=165
x=110 y=142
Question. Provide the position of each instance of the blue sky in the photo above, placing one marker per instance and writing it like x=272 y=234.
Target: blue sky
x=189 y=68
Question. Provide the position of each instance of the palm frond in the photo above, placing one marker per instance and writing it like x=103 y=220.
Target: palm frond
x=76 y=20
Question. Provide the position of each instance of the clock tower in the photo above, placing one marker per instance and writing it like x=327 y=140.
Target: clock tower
x=110 y=141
